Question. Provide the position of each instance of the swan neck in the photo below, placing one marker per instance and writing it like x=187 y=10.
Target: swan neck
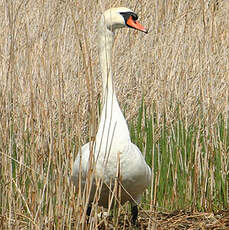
x=113 y=131
x=105 y=55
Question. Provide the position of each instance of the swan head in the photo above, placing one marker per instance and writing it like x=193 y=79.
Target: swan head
x=121 y=17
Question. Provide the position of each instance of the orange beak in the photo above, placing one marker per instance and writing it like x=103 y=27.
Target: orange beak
x=136 y=25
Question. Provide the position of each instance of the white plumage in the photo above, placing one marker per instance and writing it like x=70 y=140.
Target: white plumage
x=113 y=139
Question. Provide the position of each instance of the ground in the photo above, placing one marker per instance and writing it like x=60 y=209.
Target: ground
x=178 y=220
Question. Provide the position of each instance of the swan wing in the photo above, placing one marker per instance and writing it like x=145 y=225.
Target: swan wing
x=80 y=166
x=136 y=174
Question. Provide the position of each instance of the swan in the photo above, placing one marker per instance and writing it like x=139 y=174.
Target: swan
x=113 y=153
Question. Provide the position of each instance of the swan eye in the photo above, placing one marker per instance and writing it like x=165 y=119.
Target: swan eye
x=135 y=17
x=127 y=15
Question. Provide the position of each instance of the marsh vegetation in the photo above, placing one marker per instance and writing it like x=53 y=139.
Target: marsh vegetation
x=172 y=84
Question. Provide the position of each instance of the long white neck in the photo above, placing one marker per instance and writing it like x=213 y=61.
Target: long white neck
x=105 y=56
x=113 y=130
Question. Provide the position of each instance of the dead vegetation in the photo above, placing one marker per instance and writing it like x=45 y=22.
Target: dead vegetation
x=49 y=105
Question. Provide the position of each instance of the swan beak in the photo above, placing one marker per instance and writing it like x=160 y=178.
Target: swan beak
x=136 y=25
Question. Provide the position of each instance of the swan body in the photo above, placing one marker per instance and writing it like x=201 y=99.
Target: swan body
x=113 y=149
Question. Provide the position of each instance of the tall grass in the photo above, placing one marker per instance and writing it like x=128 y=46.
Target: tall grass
x=189 y=160
x=49 y=91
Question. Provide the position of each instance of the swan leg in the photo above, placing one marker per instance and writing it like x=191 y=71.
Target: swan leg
x=134 y=212
x=89 y=210
x=88 y=213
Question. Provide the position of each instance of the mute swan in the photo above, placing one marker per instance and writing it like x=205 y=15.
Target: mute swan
x=112 y=149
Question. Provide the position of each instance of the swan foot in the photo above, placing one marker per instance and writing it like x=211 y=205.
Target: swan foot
x=134 y=212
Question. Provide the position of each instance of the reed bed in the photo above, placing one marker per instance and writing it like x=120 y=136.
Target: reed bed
x=172 y=84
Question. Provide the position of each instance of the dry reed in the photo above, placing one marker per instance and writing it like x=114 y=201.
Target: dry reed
x=50 y=88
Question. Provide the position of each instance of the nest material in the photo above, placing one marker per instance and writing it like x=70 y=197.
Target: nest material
x=178 y=220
